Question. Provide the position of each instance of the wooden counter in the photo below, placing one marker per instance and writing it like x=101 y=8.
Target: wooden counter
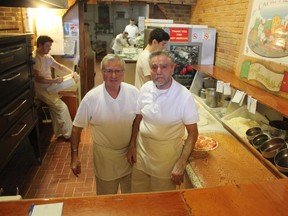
x=230 y=164
x=272 y=101
x=265 y=198
x=268 y=100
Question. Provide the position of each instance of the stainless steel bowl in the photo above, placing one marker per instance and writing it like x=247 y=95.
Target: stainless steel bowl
x=270 y=147
x=259 y=140
x=252 y=132
x=281 y=160
x=276 y=132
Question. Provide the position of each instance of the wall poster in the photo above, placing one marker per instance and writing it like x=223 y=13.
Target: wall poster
x=267 y=35
x=263 y=59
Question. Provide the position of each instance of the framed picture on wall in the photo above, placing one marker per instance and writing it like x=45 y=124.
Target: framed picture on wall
x=263 y=59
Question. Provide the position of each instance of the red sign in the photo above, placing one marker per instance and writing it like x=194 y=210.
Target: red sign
x=179 y=34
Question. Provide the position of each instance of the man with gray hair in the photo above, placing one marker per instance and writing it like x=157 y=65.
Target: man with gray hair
x=158 y=39
x=110 y=110
x=160 y=147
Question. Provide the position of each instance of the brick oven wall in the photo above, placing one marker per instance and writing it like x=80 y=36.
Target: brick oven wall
x=228 y=17
x=11 y=20
x=180 y=14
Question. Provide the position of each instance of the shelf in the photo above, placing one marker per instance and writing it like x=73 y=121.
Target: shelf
x=272 y=101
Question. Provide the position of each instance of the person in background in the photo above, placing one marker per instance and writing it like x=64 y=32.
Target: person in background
x=166 y=113
x=132 y=29
x=120 y=42
x=61 y=119
x=158 y=39
x=110 y=110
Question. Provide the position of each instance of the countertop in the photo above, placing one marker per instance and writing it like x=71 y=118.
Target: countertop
x=263 y=198
x=265 y=98
x=229 y=164
x=130 y=55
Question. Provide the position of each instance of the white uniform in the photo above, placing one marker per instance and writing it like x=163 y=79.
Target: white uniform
x=118 y=46
x=61 y=119
x=160 y=139
x=143 y=71
x=111 y=124
x=132 y=31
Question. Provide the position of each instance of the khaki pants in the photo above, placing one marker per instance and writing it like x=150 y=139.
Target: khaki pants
x=61 y=119
x=111 y=187
x=142 y=182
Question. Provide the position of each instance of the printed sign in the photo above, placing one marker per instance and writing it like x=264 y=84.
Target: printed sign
x=258 y=72
x=179 y=35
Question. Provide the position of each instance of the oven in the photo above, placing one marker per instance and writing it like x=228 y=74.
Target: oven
x=18 y=117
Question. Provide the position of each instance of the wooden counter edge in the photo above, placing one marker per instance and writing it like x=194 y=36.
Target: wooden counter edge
x=263 y=197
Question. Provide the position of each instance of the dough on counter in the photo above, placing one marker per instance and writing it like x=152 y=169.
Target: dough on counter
x=241 y=125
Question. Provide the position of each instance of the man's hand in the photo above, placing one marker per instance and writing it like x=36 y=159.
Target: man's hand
x=59 y=80
x=131 y=154
x=75 y=167
x=177 y=175
x=75 y=77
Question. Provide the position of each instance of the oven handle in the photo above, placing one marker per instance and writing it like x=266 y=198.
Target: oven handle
x=17 y=133
x=10 y=78
x=16 y=49
x=16 y=109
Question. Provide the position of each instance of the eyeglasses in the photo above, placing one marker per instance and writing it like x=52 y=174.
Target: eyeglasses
x=110 y=71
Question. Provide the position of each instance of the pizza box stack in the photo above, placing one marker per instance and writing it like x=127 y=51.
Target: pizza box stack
x=57 y=87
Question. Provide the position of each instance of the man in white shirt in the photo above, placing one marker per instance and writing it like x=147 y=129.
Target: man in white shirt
x=165 y=110
x=120 y=42
x=110 y=110
x=132 y=29
x=61 y=119
x=158 y=39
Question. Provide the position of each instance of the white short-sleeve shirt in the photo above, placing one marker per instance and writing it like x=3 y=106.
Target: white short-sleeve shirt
x=118 y=46
x=111 y=126
x=132 y=30
x=165 y=114
x=43 y=65
x=143 y=71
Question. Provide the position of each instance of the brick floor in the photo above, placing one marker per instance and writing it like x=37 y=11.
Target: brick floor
x=53 y=178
